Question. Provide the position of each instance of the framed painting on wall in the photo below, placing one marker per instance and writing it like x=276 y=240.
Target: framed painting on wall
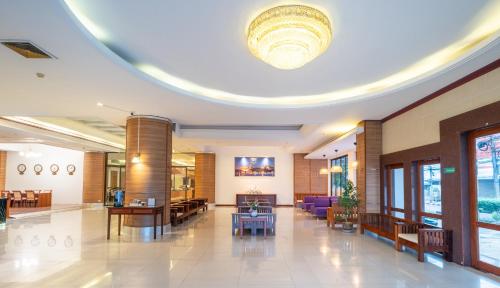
x=253 y=166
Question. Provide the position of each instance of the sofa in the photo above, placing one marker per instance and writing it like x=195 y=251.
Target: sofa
x=320 y=204
x=308 y=202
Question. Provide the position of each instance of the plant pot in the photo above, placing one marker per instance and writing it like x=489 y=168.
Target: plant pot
x=253 y=213
x=348 y=227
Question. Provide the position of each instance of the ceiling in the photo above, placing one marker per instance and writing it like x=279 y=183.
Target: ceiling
x=404 y=49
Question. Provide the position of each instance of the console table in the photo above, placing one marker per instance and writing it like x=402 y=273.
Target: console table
x=241 y=199
x=141 y=210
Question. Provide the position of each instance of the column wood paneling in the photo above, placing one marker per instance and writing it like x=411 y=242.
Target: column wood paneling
x=306 y=177
x=369 y=149
x=94 y=175
x=3 y=171
x=151 y=177
x=205 y=176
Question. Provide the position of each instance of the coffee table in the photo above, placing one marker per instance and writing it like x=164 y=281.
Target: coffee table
x=254 y=221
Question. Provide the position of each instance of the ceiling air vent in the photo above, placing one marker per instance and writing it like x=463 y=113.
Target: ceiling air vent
x=26 y=49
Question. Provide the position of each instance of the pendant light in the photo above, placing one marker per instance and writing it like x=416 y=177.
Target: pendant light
x=336 y=168
x=323 y=171
x=136 y=159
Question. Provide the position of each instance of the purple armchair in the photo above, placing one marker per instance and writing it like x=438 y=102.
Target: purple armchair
x=334 y=200
x=319 y=206
x=308 y=202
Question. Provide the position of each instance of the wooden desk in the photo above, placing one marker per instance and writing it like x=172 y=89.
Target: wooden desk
x=241 y=199
x=128 y=210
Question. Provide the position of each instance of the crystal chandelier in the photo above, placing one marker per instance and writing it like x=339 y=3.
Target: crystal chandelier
x=288 y=37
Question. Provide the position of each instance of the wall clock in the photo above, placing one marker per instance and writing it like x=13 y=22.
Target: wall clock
x=71 y=169
x=54 y=168
x=38 y=169
x=21 y=168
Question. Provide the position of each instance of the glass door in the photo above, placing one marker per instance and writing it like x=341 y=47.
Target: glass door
x=485 y=199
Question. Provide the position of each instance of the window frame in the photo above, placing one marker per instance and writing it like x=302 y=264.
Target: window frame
x=420 y=192
x=389 y=191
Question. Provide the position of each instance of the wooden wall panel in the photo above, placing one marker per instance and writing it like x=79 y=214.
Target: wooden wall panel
x=151 y=177
x=301 y=172
x=3 y=169
x=369 y=149
x=94 y=175
x=373 y=150
x=361 y=171
x=306 y=177
x=205 y=176
x=319 y=182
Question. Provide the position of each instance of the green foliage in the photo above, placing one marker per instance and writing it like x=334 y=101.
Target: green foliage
x=496 y=216
x=349 y=199
x=253 y=204
x=488 y=205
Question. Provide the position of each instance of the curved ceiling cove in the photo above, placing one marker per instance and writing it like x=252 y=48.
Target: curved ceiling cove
x=359 y=64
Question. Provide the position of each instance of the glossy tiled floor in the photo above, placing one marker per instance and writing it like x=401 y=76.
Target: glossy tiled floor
x=69 y=249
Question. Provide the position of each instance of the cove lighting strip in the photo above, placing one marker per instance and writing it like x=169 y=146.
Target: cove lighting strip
x=486 y=32
x=62 y=130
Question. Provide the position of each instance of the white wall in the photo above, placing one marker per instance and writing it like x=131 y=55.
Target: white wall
x=420 y=126
x=66 y=189
x=227 y=185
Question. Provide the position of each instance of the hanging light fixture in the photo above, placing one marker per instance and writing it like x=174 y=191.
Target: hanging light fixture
x=136 y=159
x=323 y=171
x=289 y=36
x=336 y=168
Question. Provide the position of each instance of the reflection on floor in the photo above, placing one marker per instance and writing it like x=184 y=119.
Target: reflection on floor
x=69 y=249
x=23 y=212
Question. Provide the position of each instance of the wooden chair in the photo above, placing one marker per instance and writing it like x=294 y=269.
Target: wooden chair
x=18 y=198
x=30 y=198
x=335 y=213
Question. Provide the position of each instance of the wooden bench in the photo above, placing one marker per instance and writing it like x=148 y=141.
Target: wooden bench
x=336 y=212
x=182 y=210
x=380 y=224
x=423 y=238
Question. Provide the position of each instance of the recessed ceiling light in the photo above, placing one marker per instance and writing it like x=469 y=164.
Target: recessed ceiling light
x=288 y=37
x=100 y=104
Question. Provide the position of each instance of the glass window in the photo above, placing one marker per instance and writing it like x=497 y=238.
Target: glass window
x=397 y=188
x=431 y=188
x=339 y=178
x=486 y=194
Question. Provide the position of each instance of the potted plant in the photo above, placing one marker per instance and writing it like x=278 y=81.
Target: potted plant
x=253 y=207
x=350 y=202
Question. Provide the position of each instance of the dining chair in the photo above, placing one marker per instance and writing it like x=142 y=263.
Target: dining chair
x=18 y=198
x=30 y=198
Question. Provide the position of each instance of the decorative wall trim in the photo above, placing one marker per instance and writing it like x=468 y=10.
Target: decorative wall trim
x=478 y=73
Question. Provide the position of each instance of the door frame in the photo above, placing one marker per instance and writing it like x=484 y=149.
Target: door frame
x=475 y=225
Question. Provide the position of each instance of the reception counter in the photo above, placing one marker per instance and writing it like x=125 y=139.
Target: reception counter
x=242 y=199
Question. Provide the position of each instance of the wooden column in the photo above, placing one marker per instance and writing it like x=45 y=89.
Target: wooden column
x=94 y=175
x=369 y=149
x=3 y=171
x=151 y=137
x=205 y=176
